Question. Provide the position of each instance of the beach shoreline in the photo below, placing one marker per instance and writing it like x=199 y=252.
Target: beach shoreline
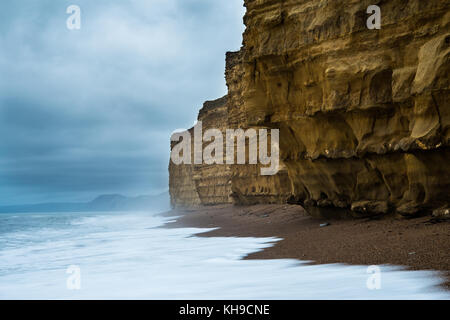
x=417 y=244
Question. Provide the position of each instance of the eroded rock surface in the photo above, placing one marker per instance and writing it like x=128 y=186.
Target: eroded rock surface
x=191 y=185
x=363 y=114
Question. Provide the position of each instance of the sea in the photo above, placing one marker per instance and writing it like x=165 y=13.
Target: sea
x=132 y=255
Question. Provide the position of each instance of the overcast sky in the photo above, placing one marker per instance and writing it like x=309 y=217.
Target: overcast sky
x=90 y=111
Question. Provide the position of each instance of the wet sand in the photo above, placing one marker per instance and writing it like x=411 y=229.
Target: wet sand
x=419 y=244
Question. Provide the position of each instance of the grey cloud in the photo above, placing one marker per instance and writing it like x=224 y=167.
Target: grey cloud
x=90 y=111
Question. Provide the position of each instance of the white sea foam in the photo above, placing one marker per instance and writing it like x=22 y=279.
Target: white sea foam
x=127 y=256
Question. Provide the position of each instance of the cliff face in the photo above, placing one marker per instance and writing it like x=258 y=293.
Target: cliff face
x=363 y=114
x=191 y=185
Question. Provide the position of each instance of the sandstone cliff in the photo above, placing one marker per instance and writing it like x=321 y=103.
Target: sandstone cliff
x=192 y=185
x=363 y=114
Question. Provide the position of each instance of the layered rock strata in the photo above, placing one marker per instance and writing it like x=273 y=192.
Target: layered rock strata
x=363 y=114
x=191 y=185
